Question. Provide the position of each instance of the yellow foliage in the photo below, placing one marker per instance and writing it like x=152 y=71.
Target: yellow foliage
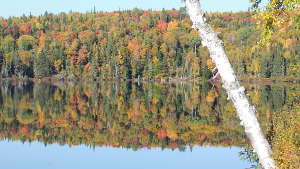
x=58 y=65
x=255 y=95
x=57 y=96
x=210 y=64
x=72 y=111
x=8 y=57
x=287 y=54
x=211 y=96
x=255 y=66
x=172 y=25
x=24 y=103
x=42 y=40
x=41 y=114
x=286 y=139
x=155 y=60
x=26 y=117
x=25 y=56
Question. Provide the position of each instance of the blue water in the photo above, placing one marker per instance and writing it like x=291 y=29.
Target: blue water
x=17 y=155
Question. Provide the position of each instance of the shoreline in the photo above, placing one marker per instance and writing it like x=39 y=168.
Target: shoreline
x=143 y=80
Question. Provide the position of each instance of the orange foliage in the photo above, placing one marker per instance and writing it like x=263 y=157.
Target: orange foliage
x=210 y=64
x=172 y=134
x=172 y=25
x=82 y=58
x=135 y=112
x=136 y=48
x=211 y=96
x=66 y=36
x=161 y=134
x=289 y=42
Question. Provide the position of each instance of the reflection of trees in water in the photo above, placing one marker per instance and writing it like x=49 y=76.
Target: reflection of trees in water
x=281 y=125
x=132 y=115
x=117 y=114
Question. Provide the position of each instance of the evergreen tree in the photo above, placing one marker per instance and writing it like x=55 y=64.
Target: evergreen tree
x=41 y=65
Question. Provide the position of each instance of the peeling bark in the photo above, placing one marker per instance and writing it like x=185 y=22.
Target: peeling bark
x=236 y=92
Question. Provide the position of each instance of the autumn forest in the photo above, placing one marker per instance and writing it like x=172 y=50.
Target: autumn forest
x=139 y=44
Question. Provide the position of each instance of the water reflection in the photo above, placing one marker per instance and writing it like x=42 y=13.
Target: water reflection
x=132 y=115
x=120 y=115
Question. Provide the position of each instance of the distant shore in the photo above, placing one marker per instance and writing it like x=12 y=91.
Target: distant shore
x=79 y=79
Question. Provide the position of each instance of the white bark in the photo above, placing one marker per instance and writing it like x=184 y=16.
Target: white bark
x=236 y=93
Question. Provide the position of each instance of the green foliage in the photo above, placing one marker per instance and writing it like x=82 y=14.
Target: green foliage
x=26 y=42
x=8 y=44
x=141 y=44
x=42 y=67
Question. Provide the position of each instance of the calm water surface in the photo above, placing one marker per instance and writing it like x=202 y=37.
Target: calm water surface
x=128 y=125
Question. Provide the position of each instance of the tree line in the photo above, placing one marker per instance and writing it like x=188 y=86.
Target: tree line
x=139 y=44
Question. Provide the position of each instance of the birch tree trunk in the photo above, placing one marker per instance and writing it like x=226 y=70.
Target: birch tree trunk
x=236 y=93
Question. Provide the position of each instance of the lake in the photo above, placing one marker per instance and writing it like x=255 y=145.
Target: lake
x=126 y=125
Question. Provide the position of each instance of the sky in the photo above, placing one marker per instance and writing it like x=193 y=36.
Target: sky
x=36 y=7
x=16 y=155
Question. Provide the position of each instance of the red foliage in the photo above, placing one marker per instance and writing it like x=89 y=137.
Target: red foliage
x=227 y=18
x=163 y=26
x=202 y=137
x=161 y=134
x=65 y=36
x=133 y=16
x=14 y=130
x=25 y=130
x=250 y=20
x=97 y=126
x=173 y=145
x=52 y=126
x=25 y=29
x=226 y=141
x=145 y=14
x=3 y=135
x=13 y=30
x=59 y=123
x=82 y=58
x=98 y=32
x=175 y=14
x=4 y=23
